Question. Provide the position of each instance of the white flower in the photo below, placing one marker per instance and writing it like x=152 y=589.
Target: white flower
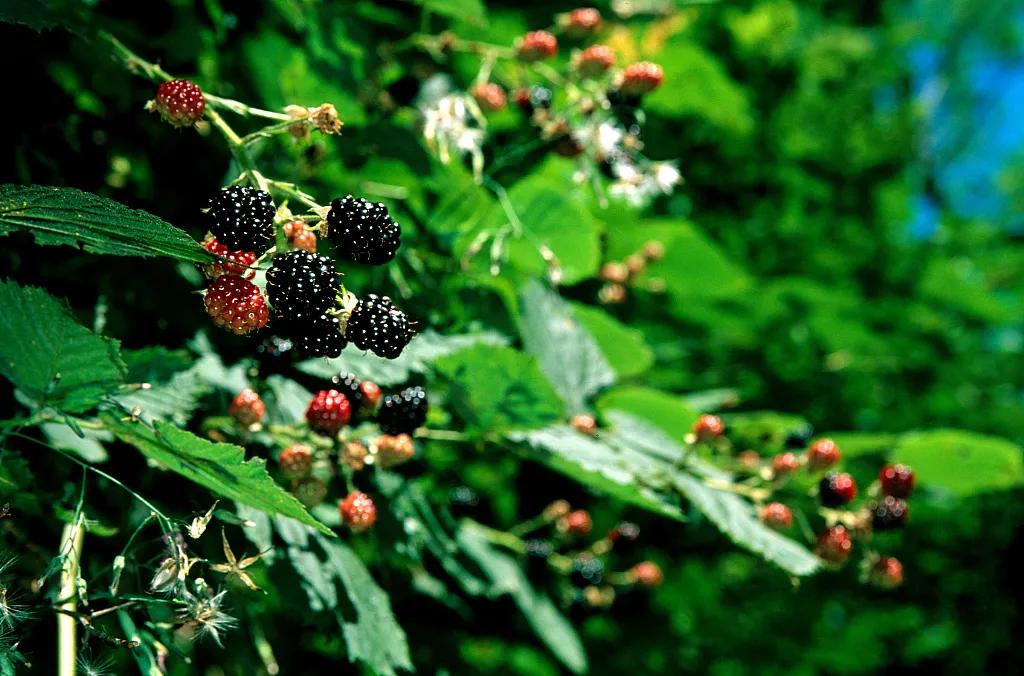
x=666 y=176
x=600 y=139
x=454 y=124
x=639 y=186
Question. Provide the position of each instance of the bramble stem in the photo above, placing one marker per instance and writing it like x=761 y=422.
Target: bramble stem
x=67 y=627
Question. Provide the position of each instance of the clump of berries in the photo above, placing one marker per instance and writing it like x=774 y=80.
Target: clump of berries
x=236 y=304
x=358 y=511
x=179 y=102
x=375 y=324
x=247 y=408
x=537 y=45
x=618 y=276
x=404 y=412
x=328 y=412
x=363 y=231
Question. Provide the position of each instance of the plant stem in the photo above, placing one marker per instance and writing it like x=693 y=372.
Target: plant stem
x=67 y=626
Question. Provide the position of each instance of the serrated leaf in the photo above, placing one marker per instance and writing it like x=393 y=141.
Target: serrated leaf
x=87 y=447
x=49 y=356
x=669 y=412
x=423 y=351
x=498 y=388
x=625 y=348
x=97 y=224
x=221 y=468
x=171 y=401
x=287 y=401
x=963 y=463
x=507 y=577
x=566 y=352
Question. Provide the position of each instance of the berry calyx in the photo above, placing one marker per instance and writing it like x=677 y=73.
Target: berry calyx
x=230 y=263
x=490 y=96
x=594 y=61
x=242 y=219
x=836 y=489
x=776 y=515
x=301 y=285
x=375 y=324
x=584 y=424
x=296 y=461
x=179 y=102
x=835 y=545
x=328 y=412
x=646 y=574
x=362 y=231
x=358 y=511
x=310 y=491
x=236 y=304
x=247 y=408
x=582 y=22
x=319 y=337
x=641 y=78
x=393 y=449
x=354 y=455
x=785 y=463
x=889 y=513
x=576 y=523
x=708 y=427
x=822 y=454
x=897 y=480
x=886 y=572
x=402 y=413
x=537 y=45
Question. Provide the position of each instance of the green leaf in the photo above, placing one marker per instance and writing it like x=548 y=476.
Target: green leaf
x=497 y=388
x=222 y=468
x=566 y=352
x=963 y=463
x=853 y=444
x=169 y=397
x=424 y=349
x=508 y=578
x=287 y=401
x=472 y=11
x=49 y=356
x=87 y=447
x=625 y=348
x=670 y=413
x=97 y=224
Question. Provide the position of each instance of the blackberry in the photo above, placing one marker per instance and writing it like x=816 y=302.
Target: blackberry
x=349 y=385
x=537 y=554
x=799 y=438
x=403 y=412
x=836 y=489
x=362 y=231
x=242 y=219
x=889 y=513
x=301 y=285
x=320 y=337
x=586 y=570
x=375 y=324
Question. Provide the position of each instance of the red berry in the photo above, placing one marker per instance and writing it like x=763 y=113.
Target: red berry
x=394 y=449
x=749 y=460
x=371 y=393
x=627 y=531
x=328 y=412
x=296 y=461
x=835 y=545
x=836 y=489
x=583 y=22
x=300 y=236
x=776 y=515
x=179 y=102
x=584 y=424
x=358 y=511
x=231 y=262
x=594 y=60
x=822 y=454
x=886 y=572
x=647 y=574
x=897 y=480
x=576 y=523
x=490 y=96
x=537 y=45
x=708 y=427
x=785 y=463
x=236 y=304
x=889 y=514
x=310 y=491
x=641 y=78
x=247 y=408
x=354 y=455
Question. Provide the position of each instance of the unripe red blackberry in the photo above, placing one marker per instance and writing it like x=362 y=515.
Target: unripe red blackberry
x=236 y=304
x=889 y=513
x=835 y=545
x=749 y=460
x=576 y=523
x=363 y=231
x=179 y=102
x=371 y=394
x=776 y=515
x=886 y=572
x=247 y=408
x=300 y=236
x=641 y=78
x=646 y=574
x=296 y=461
x=242 y=219
x=615 y=272
x=328 y=412
x=375 y=324
x=584 y=424
x=393 y=449
x=785 y=463
x=708 y=427
x=836 y=489
x=229 y=262
x=490 y=96
x=301 y=285
x=537 y=45
x=822 y=454
x=897 y=480
x=354 y=455
x=625 y=532
x=581 y=22
x=594 y=61
x=358 y=511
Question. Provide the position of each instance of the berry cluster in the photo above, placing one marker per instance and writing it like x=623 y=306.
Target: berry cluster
x=619 y=276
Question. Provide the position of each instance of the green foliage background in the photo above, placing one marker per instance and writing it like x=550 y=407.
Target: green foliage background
x=792 y=284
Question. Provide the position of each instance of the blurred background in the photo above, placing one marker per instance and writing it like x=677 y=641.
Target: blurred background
x=853 y=254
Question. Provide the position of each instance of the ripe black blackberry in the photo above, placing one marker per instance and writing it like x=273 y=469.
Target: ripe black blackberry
x=349 y=385
x=363 y=231
x=242 y=219
x=889 y=513
x=375 y=324
x=586 y=570
x=403 y=412
x=301 y=285
x=320 y=337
